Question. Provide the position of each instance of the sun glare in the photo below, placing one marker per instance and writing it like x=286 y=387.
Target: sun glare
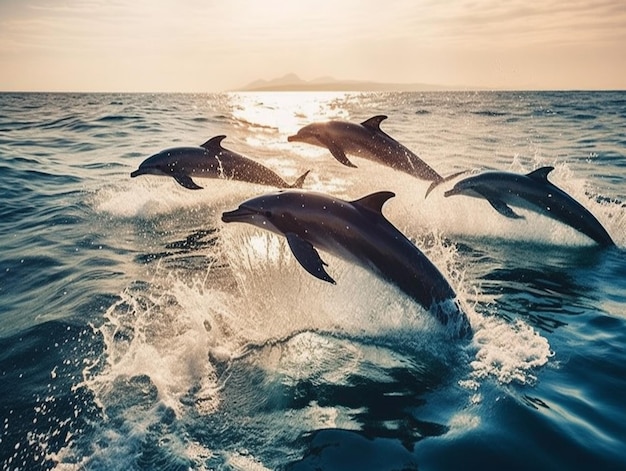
x=286 y=111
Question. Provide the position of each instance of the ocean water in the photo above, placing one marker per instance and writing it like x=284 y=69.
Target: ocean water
x=138 y=331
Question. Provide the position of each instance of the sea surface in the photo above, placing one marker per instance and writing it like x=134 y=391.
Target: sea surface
x=139 y=332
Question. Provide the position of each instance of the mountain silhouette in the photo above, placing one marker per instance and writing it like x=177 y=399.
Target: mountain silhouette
x=291 y=82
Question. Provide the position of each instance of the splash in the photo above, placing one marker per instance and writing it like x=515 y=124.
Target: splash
x=182 y=350
x=507 y=352
x=160 y=332
x=155 y=196
x=510 y=353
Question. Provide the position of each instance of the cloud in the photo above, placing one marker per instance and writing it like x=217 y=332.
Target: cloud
x=521 y=23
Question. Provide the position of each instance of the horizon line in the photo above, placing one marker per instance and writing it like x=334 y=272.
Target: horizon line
x=289 y=90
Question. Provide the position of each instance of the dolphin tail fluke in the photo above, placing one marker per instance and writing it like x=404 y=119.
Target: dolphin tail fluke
x=300 y=181
x=434 y=184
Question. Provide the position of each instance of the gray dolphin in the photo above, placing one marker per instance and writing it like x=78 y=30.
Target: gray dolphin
x=358 y=232
x=210 y=160
x=534 y=192
x=367 y=140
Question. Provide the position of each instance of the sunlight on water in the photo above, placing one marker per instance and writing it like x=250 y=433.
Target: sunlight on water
x=286 y=111
x=267 y=119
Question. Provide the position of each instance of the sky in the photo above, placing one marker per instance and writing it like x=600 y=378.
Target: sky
x=211 y=45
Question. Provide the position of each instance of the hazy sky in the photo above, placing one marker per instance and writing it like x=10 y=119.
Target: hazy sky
x=210 y=45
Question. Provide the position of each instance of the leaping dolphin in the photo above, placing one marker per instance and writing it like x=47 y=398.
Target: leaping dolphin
x=358 y=232
x=367 y=140
x=210 y=160
x=532 y=191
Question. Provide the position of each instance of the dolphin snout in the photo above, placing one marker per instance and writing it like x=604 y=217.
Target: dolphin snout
x=451 y=192
x=136 y=173
x=293 y=138
x=239 y=214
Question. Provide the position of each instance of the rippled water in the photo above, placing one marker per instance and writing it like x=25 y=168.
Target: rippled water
x=139 y=332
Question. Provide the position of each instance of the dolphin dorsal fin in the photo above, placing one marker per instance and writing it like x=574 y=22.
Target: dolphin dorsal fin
x=374 y=122
x=375 y=201
x=541 y=174
x=214 y=141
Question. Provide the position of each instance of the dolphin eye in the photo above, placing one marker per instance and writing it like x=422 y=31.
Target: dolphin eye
x=268 y=214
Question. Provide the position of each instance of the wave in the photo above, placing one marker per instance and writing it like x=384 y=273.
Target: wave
x=490 y=113
x=116 y=118
x=149 y=335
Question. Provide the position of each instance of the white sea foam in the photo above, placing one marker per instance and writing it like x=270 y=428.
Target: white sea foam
x=152 y=196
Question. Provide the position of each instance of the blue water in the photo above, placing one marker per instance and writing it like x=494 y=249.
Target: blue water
x=137 y=331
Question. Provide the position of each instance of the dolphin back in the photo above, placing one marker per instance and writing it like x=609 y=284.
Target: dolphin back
x=541 y=195
x=571 y=212
x=398 y=260
x=211 y=160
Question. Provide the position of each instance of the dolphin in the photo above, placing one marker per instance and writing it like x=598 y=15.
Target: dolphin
x=367 y=140
x=210 y=160
x=357 y=232
x=532 y=191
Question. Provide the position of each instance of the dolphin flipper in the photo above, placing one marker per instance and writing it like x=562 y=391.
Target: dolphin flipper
x=496 y=203
x=502 y=208
x=338 y=153
x=186 y=181
x=308 y=257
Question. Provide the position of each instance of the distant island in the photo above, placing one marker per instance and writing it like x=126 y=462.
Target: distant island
x=291 y=82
